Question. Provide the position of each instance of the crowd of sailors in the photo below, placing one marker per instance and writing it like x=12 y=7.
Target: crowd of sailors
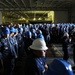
x=15 y=39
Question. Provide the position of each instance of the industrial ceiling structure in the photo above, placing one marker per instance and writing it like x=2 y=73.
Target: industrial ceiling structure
x=28 y=5
x=32 y=8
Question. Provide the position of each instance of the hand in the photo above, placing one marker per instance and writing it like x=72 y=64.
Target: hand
x=16 y=56
x=70 y=40
x=46 y=66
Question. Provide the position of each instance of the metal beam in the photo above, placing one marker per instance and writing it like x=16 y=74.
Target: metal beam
x=16 y=3
x=63 y=3
x=51 y=2
x=34 y=15
x=27 y=15
x=4 y=4
x=10 y=3
x=23 y=14
x=30 y=4
x=44 y=3
x=23 y=3
x=33 y=9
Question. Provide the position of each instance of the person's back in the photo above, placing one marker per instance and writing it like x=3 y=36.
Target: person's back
x=31 y=67
x=28 y=41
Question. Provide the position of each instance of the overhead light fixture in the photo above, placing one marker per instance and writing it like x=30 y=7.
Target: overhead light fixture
x=39 y=18
x=34 y=19
x=22 y=18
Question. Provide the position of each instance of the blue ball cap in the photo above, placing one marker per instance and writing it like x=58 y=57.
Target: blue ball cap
x=28 y=33
x=16 y=29
x=20 y=29
x=34 y=34
x=5 y=30
x=40 y=36
x=59 y=67
x=12 y=29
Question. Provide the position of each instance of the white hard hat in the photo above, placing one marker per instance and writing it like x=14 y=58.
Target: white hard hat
x=39 y=44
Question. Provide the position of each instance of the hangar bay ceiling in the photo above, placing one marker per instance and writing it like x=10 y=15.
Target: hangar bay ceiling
x=36 y=4
x=25 y=9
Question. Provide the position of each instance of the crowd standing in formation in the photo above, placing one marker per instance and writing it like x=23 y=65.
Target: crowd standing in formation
x=34 y=39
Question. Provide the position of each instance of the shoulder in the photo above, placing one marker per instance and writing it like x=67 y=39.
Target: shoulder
x=2 y=40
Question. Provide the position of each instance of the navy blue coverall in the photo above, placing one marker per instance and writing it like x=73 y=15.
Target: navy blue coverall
x=66 y=48
x=20 y=42
x=27 y=42
x=1 y=64
x=8 y=55
x=14 y=43
x=73 y=42
x=34 y=65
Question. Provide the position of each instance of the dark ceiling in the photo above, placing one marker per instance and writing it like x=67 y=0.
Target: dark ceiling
x=20 y=8
x=28 y=5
